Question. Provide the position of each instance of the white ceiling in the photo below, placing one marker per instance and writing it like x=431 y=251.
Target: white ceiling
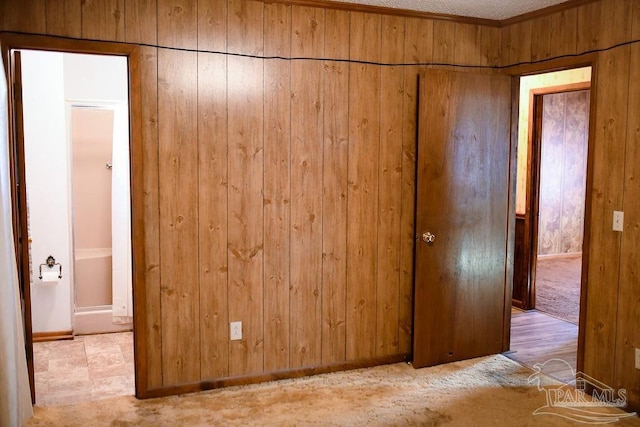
x=487 y=9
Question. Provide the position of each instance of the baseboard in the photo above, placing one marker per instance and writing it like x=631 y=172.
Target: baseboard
x=271 y=376
x=52 y=336
x=560 y=256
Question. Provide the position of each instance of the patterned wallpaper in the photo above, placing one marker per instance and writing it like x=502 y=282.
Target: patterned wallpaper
x=527 y=83
x=563 y=172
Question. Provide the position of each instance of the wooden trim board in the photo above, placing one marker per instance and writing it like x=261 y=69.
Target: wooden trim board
x=544 y=12
x=561 y=256
x=352 y=7
x=52 y=336
x=272 y=376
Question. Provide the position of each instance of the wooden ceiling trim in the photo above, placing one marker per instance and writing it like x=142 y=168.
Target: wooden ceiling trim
x=546 y=11
x=365 y=8
x=352 y=7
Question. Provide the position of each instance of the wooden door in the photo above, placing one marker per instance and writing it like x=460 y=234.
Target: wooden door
x=19 y=197
x=462 y=200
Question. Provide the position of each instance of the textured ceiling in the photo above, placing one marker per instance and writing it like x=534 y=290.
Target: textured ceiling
x=487 y=9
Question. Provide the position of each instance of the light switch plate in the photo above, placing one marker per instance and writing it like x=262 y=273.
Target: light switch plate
x=618 y=220
x=637 y=358
x=235 y=332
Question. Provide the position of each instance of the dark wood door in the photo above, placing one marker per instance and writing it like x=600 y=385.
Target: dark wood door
x=19 y=207
x=462 y=200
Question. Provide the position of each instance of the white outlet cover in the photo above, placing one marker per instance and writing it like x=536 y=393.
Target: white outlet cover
x=235 y=331
x=618 y=220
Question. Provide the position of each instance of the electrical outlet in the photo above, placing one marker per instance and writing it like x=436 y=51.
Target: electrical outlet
x=236 y=331
x=618 y=220
x=637 y=358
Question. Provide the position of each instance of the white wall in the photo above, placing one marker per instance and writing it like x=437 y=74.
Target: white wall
x=47 y=175
x=93 y=77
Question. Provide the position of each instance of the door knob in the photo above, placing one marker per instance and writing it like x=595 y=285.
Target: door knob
x=428 y=237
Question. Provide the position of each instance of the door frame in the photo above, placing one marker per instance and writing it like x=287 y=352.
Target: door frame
x=567 y=63
x=534 y=171
x=14 y=41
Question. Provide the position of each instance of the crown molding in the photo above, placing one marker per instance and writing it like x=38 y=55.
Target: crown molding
x=365 y=8
x=560 y=7
x=353 y=7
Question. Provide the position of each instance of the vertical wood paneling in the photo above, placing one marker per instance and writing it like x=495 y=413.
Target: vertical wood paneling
x=334 y=193
x=554 y=35
x=490 y=46
x=212 y=214
x=64 y=18
x=149 y=93
x=444 y=42
x=468 y=44
x=563 y=33
x=140 y=21
x=520 y=42
x=541 y=41
x=178 y=23
x=277 y=196
x=418 y=48
x=246 y=163
x=364 y=140
x=245 y=27
x=306 y=186
x=505 y=45
x=103 y=20
x=603 y=24
x=389 y=181
x=418 y=41
x=178 y=171
x=212 y=25
x=606 y=196
x=26 y=16
x=628 y=330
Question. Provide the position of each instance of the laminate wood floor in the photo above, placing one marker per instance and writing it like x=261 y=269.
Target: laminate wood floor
x=537 y=338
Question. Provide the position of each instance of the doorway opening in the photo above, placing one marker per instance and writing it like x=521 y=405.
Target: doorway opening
x=550 y=211
x=75 y=142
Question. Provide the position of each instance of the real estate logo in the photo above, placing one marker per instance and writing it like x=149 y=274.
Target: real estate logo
x=573 y=401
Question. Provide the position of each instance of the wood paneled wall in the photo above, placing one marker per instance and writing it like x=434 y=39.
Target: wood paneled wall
x=280 y=193
x=613 y=299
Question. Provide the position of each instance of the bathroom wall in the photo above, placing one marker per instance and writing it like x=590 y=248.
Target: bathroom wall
x=92 y=146
x=47 y=176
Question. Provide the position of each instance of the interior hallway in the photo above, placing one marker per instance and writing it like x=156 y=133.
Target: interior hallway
x=88 y=368
x=537 y=338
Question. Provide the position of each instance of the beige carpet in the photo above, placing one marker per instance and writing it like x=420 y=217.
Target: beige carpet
x=480 y=392
x=558 y=287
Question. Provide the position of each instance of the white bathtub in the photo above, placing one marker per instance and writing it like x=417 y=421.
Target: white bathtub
x=93 y=293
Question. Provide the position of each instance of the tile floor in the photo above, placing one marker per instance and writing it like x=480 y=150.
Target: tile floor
x=88 y=368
